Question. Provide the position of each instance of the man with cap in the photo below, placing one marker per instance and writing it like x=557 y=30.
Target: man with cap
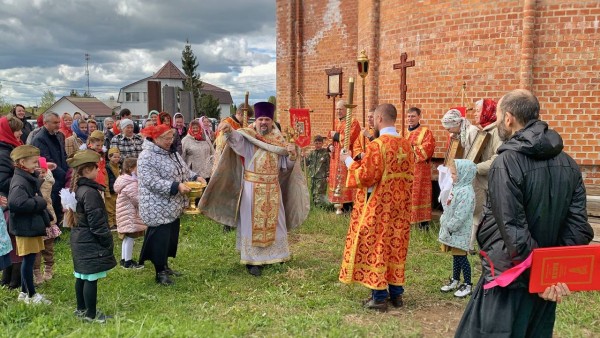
x=129 y=144
x=317 y=163
x=259 y=178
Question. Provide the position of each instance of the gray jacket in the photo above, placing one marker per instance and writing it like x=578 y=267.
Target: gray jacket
x=159 y=175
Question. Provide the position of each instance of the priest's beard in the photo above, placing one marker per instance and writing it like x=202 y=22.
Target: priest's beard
x=264 y=130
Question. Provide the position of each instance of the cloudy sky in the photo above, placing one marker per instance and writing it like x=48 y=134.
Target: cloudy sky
x=44 y=43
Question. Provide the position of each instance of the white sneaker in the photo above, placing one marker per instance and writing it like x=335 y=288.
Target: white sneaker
x=451 y=285
x=38 y=298
x=23 y=297
x=463 y=291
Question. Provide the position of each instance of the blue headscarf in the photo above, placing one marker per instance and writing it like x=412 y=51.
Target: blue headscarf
x=75 y=128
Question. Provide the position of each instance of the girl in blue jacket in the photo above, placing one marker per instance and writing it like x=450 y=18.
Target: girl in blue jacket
x=456 y=223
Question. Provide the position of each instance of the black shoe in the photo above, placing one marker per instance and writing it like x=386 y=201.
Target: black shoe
x=131 y=264
x=424 y=226
x=254 y=270
x=163 y=278
x=227 y=228
x=122 y=263
x=377 y=306
x=397 y=302
x=171 y=272
x=100 y=318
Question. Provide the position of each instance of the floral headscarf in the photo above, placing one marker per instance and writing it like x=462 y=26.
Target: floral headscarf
x=63 y=126
x=80 y=134
x=452 y=119
x=210 y=134
x=198 y=135
x=488 y=113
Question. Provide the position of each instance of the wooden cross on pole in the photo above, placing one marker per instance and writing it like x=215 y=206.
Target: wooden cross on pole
x=403 y=65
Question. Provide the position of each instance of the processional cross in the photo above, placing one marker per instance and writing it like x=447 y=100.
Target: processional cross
x=403 y=65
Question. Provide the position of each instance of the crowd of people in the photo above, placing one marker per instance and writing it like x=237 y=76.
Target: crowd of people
x=135 y=182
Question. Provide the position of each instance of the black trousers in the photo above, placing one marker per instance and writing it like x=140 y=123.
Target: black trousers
x=160 y=243
x=503 y=312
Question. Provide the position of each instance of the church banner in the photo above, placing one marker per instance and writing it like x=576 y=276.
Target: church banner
x=300 y=122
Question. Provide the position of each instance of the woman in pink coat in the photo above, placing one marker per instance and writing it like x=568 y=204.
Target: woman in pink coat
x=129 y=223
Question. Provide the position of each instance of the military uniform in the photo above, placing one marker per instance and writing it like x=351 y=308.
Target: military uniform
x=318 y=170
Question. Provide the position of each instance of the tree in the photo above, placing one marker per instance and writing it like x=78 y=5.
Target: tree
x=74 y=93
x=272 y=100
x=47 y=100
x=209 y=106
x=232 y=109
x=192 y=83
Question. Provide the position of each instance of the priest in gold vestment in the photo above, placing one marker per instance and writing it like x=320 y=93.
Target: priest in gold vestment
x=377 y=240
x=423 y=143
x=259 y=189
x=335 y=167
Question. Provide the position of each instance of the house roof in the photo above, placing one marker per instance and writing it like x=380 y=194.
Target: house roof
x=88 y=105
x=221 y=94
x=169 y=71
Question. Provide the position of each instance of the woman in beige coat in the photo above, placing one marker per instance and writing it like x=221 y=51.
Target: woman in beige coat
x=198 y=151
x=129 y=223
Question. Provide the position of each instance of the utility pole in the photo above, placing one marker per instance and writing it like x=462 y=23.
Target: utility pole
x=87 y=73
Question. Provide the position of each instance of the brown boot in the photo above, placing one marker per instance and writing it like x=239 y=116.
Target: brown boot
x=37 y=277
x=48 y=273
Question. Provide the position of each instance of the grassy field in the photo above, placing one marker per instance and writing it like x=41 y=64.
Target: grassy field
x=217 y=298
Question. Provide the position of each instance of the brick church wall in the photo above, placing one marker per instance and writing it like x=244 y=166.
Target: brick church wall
x=481 y=43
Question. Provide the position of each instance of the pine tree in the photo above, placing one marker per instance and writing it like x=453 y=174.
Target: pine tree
x=192 y=83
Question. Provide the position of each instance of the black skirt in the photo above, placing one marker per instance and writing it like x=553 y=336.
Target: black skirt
x=160 y=243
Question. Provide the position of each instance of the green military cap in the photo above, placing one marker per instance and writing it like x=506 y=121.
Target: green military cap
x=82 y=157
x=97 y=134
x=23 y=152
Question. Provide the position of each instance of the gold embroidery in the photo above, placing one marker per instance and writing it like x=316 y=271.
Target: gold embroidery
x=265 y=207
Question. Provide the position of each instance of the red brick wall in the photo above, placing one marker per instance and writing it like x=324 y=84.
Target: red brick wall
x=477 y=42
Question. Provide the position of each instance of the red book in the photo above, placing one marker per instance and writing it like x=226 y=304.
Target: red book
x=576 y=266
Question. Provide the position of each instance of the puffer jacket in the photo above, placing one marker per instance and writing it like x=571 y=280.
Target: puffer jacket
x=457 y=219
x=159 y=174
x=536 y=199
x=128 y=214
x=28 y=214
x=7 y=168
x=91 y=240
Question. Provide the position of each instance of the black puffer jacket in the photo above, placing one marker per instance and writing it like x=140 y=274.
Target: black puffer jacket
x=7 y=168
x=28 y=214
x=536 y=199
x=91 y=240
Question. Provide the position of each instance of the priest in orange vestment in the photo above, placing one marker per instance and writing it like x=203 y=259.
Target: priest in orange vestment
x=423 y=143
x=335 y=167
x=377 y=240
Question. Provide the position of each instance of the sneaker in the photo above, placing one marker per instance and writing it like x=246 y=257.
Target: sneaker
x=38 y=298
x=79 y=313
x=451 y=285
x=22 y=297
x=131 y=264
x=463 y=291
x=100 y=318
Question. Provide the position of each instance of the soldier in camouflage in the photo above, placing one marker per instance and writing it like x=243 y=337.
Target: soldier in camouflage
x=318 y=171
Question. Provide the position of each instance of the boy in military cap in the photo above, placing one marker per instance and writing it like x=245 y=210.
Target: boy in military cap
x=318 y=171
x=28 y=217
x=90 y=234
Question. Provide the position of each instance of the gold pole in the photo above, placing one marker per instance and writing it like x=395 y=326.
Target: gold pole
x=349 y=107
x=245 y=110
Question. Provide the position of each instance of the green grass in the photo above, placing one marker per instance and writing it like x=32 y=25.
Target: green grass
x=217 y=297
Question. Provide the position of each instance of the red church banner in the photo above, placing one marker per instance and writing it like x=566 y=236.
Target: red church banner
x=300 y=122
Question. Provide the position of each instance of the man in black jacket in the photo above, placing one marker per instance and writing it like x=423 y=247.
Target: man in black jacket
x=536 y=199
x=52 y=147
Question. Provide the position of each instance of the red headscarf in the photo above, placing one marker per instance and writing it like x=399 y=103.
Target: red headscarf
x=7 y=135
x=154 y=132
x=161 y=116
x=199 y=135
x=67 y=131
x=40 y=121
x=488 y=113
x=115 y=129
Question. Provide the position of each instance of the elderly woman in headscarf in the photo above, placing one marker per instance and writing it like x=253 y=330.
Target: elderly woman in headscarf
x=206 y=125
x=165 y=118
x=65 y=125
x=161 y=177
x=198 y=150
x=79 y=137
x=152 y=118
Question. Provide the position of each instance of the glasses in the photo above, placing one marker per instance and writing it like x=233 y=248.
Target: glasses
x=167 y=138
